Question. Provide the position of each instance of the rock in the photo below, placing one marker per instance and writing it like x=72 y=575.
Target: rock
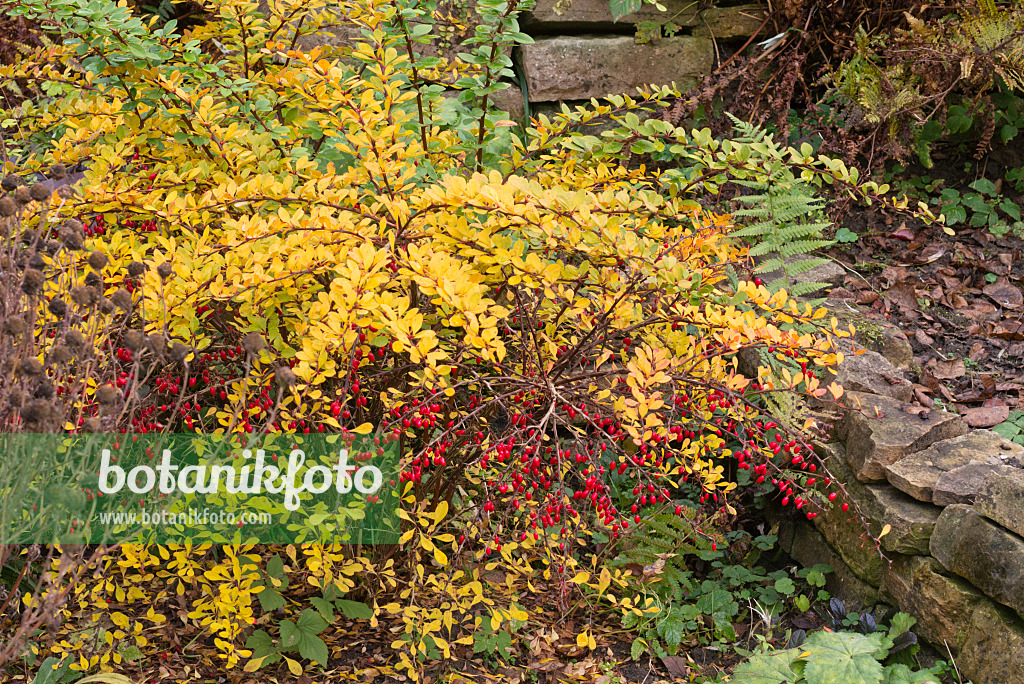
x=808 y=547
x=911 y=522
x=881 y=433
x=582 y=67
x=595 y=15
x=509 y=100
x=728 y=22
x=1001 y=498
x=993 y=651
x=916 y=474
x=961 y=485
x=942 y=605
x=870 y=372
x=986 y=555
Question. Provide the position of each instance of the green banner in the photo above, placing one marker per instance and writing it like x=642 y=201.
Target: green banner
x=283 y=488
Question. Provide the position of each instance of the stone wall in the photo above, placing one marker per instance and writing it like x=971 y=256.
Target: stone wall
x=954 y=502
x=579 y=52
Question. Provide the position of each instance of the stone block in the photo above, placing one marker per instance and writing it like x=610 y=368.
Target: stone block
x=877 y=432
x=985 y=554
x=993 y=652
x=871 y=373
x=961 y=485
x=941 y=605
x=1001 y=498
x=916 y=474
x=582 y=67
x=559 y=16
x=911 y=522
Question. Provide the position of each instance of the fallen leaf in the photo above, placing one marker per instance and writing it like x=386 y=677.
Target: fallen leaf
x=677 y=667
x=949 y=370
x=1009 y=330
x=986 y=416
x=1004 y=294
x=903 y=294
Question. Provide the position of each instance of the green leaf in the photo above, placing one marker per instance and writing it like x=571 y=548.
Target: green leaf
x=354 y=610
x=955 y=214
x=52 y=670
x=621 y=8
x=638 y=648
x=271 y=599
x=323 y=607
x=984 y=186
x=785 y=586
x=843 y=658
x=1007 y=133
x=780 y=667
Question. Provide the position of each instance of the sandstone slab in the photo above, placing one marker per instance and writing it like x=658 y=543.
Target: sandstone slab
x=986 y=555
x=1002 y=498
x=878 y=432
x=942 y=605
x=871 y=373
x=551 y=16
x=916 y=474
x=993 y=652
x=807 y=547
x=961 y=485
x=911 y=522
x=582 y=67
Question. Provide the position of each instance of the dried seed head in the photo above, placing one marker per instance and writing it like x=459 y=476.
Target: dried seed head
x=253 y=343
x=44 y=390
x=75 y=338
x=8 y=207
x=93 y=425
x=60 y=354
x=30 y=366
x=107 y=306
x=66 y=192
x=83 y=295
x=134 y=340
x=72 y=238
x=164 y=270
x=98 y=260
x=17 y=399
x=37 y=411
x=15 y=325
x=11 y=182
x=92 y=280
x=73 y=224
x=58 y=307
x=23 y=194
x=285 y=376
x=29 y=237
x=107 y=395
x=33 y=281
x=36 y=261
x=40 y=192
x=156 y=343
x=122 y=299
x=136 y=268
x=51 y=247
x=179 y=352
x=58 y=171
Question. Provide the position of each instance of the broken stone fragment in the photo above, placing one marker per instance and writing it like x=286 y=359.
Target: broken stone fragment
x=917 y=473
x=878 y=432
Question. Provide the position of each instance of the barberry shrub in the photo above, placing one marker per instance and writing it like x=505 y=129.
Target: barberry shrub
x=311 y=247
x=326 y=256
